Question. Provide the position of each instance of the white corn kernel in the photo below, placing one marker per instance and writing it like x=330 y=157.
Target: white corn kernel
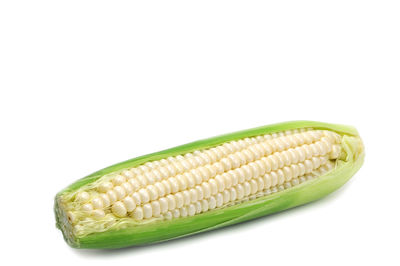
x=82 y=197
x=119 y=209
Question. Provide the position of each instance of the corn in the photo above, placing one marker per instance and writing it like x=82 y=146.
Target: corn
x=199 y=182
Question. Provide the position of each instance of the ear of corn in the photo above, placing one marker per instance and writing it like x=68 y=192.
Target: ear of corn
x=208 y=184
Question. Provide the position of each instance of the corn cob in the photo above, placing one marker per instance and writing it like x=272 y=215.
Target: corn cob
x=208 y=184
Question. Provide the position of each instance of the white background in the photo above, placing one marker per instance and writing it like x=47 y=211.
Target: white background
x=86 y=84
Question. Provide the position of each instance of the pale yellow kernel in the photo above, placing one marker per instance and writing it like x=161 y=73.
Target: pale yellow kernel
x=205 y=158
x=97 y=203
x=260 y=183
x=308 y=166
x=220 y=183
x=211 y=155
x=200 y=192
x=197 y=176
x=105 y=186
x=164 y=172
x=227 y=179
x=293 y=157
x=294 y=168
x=128 y=174
x=144 y=195
x=163 y=205
x=150 y=177
x=179 y=168
x=183 y=212
x=281 y=176
x=253 y=186
x=160 y=189
x=176 y=213
x=316 y=162
x=212 y=203
x=274 y=178
x=226 y=163
x=106 y=200
x=242 y=158
x=142 y=180
x=219 y=198
x=231 y=148
x=285 y=158
x=257 y=154
x=129 y=203
x=248 y=155
x=112 y=196
x=179 y=199
x=138 y=213
x=119 y=209
x=199 y=207
x=217 y=153
x=240 y=191
x=156 y=208
x=82 y=197
x=147 y=211
x=153 y=193
x=308 y=152
x=335 y=153
x=193 y=195
x=233 y=194
x=174 y=184
x=191 y=182
x=135 y=171
x=287 y=173
x=226 y=196
x=191 y=210
x=127 y=187
x=182 y=181
x=157 y=175
x=273 y=161
x=261 y=167
x=136 y=197
x=206 y=187
x=254 y=169
x=308 y=139
x=185 y=164
x=192 y=162
x=171 y=169
x=171 y=202
x=247 y=188
x=295 y=182
x=279 y=159
x=167 y=187
x=120 y=192
x=143 y=168
x=135 y=184
x=302 y=169
x=186 y=197
x=219 y=167
x=118 y=180
x=247 y=172
x=267 y=181
x=235 y=161
x=204 y=172
x=240 y=174
x=204 y=205
x=213 y=186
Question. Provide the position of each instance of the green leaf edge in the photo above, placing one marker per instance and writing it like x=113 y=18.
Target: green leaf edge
x=165 y=230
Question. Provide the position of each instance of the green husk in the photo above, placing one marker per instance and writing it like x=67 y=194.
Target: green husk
x=161 y=230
